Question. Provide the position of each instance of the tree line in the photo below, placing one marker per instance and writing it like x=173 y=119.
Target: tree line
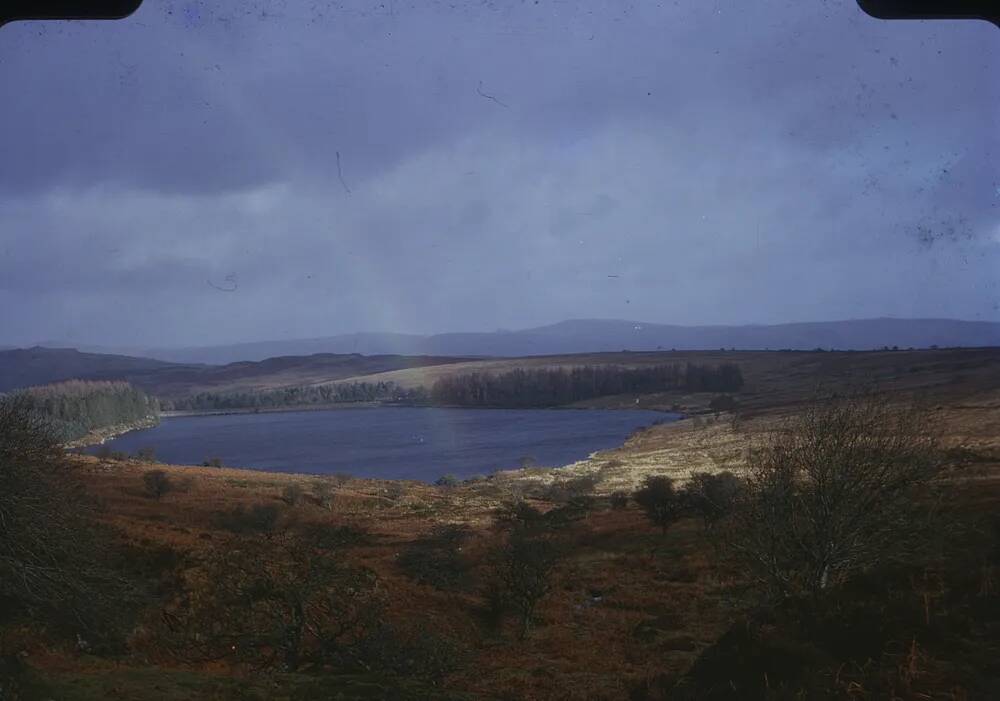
x=76 y=407
x=340 y=393
x=515 y=388
x=554 y=386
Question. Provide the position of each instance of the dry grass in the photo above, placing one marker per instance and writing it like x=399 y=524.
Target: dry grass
x=629 y=605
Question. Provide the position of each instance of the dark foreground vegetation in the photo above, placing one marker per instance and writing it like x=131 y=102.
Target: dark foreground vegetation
x=849 y=557
x=556 y=386
x=75 y=408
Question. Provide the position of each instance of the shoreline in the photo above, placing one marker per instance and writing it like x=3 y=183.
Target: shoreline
x=670 y=417
x=346 y=406
x=103 y=435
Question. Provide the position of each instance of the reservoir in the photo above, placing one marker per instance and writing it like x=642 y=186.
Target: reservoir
x=389 y=442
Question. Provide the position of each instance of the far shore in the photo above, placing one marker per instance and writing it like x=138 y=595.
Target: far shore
x=397 y=405
x=275 y=410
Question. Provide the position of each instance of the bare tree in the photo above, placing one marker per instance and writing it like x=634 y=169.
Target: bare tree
x=522 y=568
x=52 y=565
x=839 y=488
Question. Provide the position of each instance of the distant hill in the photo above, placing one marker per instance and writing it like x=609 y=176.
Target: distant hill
x=599 y=335
x=350 y=344
x=270 y=364
x=282 y=371
x=25 y=367
x=38 y=366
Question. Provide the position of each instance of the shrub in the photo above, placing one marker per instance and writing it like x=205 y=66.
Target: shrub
x=565 y=490
x=522 y=572
x=54 y=567
x=212 y=462
x=292 y=494
x=275 y=603
x=722 y=402
x=446 y=481
x=573 y=510
x=437 y=559
x=660 y=501
x=711 y=496
x=324 y=492
x=146 y=454
x=106 y=453
x=619 y=500
x=258 y=519
x=157 y=483
x=419 y=653
x=329 y=537
x=837 y=490
x=519 y=514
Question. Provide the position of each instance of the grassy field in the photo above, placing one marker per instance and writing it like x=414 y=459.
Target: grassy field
x=631 y=613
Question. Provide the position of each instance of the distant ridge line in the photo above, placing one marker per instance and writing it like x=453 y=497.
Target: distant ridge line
x=603 y=335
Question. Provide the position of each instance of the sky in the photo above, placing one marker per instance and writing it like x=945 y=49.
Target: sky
x=207 y=173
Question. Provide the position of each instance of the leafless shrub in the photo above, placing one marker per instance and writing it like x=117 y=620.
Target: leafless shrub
x=329 y=537
x=840 y=488
x=437 y=559
x=721 y=403
x=324 y=491
x=278 y=603
x=340 y=478
x=562 y=491
x=660 y=501
x=146 y=454
x=419 y=652
x=157 y=484
x=258 y=519
x=522 y=569
x=292 y=494
x=619 y=500
x=446 y=481
x=711 y=496
x=395 y=490
x=53 y=565
x=518 y=514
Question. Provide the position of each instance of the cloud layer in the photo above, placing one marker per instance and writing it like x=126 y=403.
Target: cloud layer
x=203 y=174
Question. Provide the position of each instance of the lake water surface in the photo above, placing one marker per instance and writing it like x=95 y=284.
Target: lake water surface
x=389 y=442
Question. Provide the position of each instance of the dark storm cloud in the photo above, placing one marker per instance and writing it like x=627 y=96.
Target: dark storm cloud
x=208 y=172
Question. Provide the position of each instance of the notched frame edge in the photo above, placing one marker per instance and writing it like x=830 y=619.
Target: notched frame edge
x=30 y=10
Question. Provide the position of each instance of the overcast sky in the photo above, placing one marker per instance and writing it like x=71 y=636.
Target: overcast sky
x=213 y=172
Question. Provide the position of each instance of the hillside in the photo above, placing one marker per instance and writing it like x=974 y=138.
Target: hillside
x=669 y=618
x=603 y=335
x=37 y=366
x=26 y=367
x=279 y=372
